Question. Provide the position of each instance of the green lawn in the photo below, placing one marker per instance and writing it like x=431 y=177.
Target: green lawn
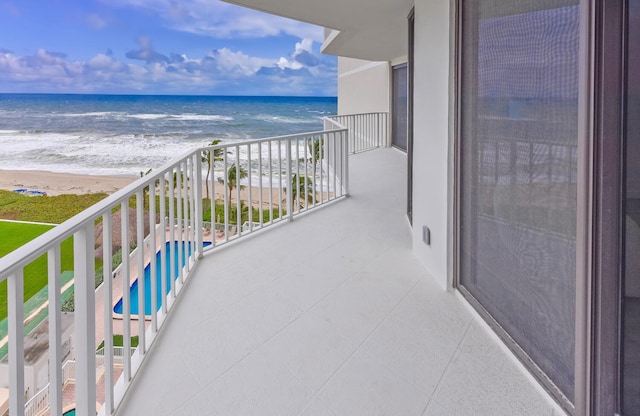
x=51 y=209
x=12 y=236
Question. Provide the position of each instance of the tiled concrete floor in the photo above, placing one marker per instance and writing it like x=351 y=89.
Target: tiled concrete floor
x=330 y=315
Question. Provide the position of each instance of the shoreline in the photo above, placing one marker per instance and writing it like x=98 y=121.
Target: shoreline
x=57 y=183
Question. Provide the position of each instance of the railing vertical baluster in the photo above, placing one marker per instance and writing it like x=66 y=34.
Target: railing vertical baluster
x=55 y=331
x=85 y=321
x=312 y=143
x=187 y=185
x=126 y=282
x=346 y=164
x=304 y=180
x=280 y=179
x=249 y=199
x=212 y=202
x=172 y=236
x=107 y=289
x=198 y=219
x=153 y=269
x=290 y=185
x=336 y=161
x=179 y=236
x=163 y=246
x=261 y=208
x=270 y=184
x=306 y=172
x=141 y=280
x=328 y=147
x=324 y=154
x=238 y=205
x=15 y=293
x=226 y=197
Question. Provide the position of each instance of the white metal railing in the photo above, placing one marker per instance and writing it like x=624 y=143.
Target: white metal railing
x=118 y=356
x=278 y=178
x=40 y=401
x=366 y=131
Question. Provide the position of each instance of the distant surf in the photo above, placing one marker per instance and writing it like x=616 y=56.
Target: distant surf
x=128 y=134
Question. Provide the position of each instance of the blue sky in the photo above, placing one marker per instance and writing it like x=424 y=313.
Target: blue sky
x=203 y=47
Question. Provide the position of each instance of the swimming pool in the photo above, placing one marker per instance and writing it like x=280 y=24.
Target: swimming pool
x=133 y=291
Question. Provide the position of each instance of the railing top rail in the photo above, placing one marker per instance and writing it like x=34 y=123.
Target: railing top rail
x=269 y=139
x=357 y=114
x=39 y=246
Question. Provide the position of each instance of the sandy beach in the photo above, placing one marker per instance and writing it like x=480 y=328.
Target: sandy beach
x=54 y=183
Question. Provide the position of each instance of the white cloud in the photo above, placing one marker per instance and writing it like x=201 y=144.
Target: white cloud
x=222 y=71
x=222 y=20
x=238 y=63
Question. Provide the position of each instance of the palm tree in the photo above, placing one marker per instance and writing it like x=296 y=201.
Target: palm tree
x=206 y=158
x=301 y=186
x=316 y=150
x=232 y=180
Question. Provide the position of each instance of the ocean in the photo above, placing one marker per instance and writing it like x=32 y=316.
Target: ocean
x=129 y=134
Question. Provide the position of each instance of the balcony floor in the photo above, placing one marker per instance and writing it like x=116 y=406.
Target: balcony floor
x=330 y=315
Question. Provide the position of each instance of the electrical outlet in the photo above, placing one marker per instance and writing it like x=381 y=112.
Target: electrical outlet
x=426 y=235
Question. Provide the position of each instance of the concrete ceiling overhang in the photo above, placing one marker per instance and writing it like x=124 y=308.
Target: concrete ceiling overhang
x=374 y=30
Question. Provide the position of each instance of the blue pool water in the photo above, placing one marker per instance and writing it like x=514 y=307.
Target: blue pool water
x=133 y=292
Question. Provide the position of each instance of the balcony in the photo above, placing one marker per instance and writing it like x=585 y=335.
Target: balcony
x=324 y=310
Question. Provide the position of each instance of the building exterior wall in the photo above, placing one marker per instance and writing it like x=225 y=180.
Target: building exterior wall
x=363 y=86
x=432 y=133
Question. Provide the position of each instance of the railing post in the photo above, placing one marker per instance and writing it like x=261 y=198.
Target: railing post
x=15 y=292
x=55 y=332
x=85 y=321
x=290 y=184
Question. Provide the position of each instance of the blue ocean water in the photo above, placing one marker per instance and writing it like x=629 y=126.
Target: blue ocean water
x=127 y=134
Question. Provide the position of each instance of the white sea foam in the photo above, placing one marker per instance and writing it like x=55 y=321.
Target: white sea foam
x=201 y=117
x=92 y=114
x=287 y=120
x=148 y=116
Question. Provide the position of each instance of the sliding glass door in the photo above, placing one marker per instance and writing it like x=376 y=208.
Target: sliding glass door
x=630 y=301
x=399 y=107
x=517 y=177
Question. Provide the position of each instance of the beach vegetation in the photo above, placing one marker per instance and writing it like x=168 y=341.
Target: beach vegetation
x=234 y=175
x=49 y=209
x=210 y=157
x=118 y=341
x=244 y=213
x=301 y=187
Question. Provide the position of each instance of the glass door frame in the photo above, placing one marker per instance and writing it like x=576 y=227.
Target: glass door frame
x=600 y=178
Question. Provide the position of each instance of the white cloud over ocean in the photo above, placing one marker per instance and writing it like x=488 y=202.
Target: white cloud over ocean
x=159 y=47
x=146 y=70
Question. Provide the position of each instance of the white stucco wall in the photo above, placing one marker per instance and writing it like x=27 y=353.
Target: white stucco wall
x=432 y=122
x=363 y=86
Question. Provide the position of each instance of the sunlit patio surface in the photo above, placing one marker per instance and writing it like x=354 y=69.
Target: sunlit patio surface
x=331 y=314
